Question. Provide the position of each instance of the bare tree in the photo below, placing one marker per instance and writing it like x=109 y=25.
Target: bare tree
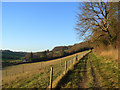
x=96 y=17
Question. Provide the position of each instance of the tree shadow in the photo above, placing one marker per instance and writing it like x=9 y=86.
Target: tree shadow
x=78 y=72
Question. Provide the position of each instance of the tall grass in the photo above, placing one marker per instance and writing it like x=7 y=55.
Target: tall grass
x=112 y=53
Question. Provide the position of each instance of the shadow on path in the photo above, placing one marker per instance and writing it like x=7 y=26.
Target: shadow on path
x=95 y=81
x=75 y=78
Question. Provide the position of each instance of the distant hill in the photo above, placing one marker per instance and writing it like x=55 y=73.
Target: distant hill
x=58 y=52
x=10 y=55
x=13 y=58
x=58 y=48
x=73 y=48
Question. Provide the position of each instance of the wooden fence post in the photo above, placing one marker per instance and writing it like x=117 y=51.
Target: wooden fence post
x=72 y=61
x=76 y=57
x=65 y=66
x=51 y=77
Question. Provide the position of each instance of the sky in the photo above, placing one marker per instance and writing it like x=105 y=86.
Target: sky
x=38 y=26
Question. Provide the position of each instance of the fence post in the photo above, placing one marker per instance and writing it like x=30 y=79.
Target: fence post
x=76 y=57
x=51 y=77
x=70 y=63
x=65 y=66
x=23 y=68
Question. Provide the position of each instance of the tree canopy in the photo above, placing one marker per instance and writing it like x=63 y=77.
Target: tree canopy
x=97 y=19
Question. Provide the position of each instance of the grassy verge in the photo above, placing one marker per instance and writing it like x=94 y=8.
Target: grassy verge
x=104 y=73
x=92 y=72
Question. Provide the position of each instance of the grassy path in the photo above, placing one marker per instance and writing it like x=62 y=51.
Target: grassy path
x=92 y=71
x=75 y=78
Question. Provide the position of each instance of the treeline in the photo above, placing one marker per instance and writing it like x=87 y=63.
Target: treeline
x=13 y=58
x=57 y=52
x=10 y=55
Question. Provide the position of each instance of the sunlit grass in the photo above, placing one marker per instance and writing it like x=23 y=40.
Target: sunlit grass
x=93 y=71
x=106 y=71
x=33 y=75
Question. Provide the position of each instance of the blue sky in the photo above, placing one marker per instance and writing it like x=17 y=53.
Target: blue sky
x=30 y=26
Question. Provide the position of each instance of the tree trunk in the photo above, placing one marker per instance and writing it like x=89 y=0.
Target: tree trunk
x=110 y=37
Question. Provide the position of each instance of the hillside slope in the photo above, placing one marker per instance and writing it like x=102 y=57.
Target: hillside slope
x=58 y=52
x=10 y=55
x=34 y=75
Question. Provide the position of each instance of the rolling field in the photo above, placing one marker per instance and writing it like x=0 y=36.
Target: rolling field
x=34 y=75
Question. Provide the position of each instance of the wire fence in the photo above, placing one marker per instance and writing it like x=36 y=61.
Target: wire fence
x=37 y=74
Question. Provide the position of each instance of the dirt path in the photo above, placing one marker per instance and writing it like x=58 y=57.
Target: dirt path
x=84 y=78
x=77 y=77
x=95 y=80
x=92 y=72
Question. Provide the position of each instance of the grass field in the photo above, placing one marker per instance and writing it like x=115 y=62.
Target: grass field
x=34 y=75
x=92 y=71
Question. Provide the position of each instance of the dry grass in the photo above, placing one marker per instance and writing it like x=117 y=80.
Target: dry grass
x=36 y=75
x=31 y=67
x=111 y=53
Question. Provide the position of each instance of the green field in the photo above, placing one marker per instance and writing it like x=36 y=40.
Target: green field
x=34 y=75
